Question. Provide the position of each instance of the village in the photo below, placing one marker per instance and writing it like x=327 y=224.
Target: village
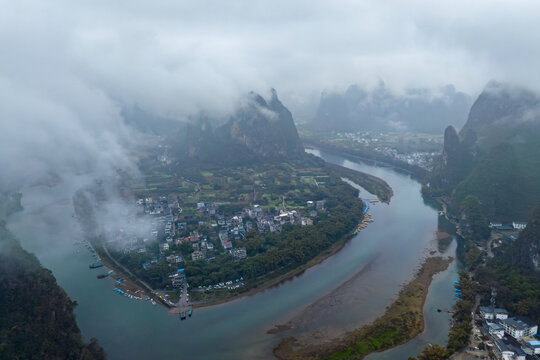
x=206 y=230
x=508 y=338
x=181 y=235
x=419 y=150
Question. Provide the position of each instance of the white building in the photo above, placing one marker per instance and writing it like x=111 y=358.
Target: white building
x=507 y=351
x=197 y=255
x=487 y=313
x=519 y=225
x=518 y=327
x=534 y=346
x=496 y=330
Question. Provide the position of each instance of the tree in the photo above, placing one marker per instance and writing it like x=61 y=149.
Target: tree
x=434 y=352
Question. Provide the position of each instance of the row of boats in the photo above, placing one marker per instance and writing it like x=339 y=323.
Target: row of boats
x=134 y=297
x=458 y=290
x=365 y=221
x=99 y=264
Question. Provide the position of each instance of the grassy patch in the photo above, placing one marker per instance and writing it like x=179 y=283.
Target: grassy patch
x=402 y=321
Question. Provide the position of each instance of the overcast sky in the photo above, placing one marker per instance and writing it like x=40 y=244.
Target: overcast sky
x=65 y=66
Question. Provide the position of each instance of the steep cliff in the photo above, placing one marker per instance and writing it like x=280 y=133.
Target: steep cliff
x=495 y=156
x=258 y=130
x=527 y=246
x=36 y=315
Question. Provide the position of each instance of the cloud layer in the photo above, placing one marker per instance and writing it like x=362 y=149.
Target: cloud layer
x=67 y=67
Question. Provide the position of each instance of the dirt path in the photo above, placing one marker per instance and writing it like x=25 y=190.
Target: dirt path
x=148 y=287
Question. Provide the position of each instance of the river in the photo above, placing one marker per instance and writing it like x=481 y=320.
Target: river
x=347 y=290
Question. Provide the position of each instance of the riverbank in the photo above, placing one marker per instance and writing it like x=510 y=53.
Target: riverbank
x=128 y=282
x=132 y=284
x=372 y=184
x=265 y=285
x=402 y=321
x=416 y=172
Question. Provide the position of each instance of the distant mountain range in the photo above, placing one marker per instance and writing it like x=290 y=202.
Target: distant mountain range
x=416 y=110
x=495 y=156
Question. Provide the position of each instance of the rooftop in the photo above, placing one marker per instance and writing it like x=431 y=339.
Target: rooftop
x=518 y=323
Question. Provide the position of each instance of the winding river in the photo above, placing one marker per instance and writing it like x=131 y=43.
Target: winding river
x=345 y=291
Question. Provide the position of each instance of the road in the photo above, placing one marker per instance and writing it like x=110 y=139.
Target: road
x=127 y=270
x=183 y=305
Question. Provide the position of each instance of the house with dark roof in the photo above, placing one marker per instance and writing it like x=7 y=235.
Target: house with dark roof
x=487 y=313
x=519 y=326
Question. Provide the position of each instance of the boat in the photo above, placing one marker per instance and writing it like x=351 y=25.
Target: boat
x=95 y=265
x=190 y=312
x=103 y=276
x=183 y=315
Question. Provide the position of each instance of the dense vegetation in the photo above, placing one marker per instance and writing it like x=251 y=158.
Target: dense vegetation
x=518 y=289
x=269 y=254
x=498 y=181
x=36 y=316
x=515 y=273
x=432 y=352
x=475 y=231
x=477 y=225
x=495 y=156
x=459 y=335
x=371 y=183
x=300 y=244
x=458 y=338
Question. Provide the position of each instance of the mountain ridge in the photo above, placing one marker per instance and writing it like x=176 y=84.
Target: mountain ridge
x=259 y=130
x=418 y=109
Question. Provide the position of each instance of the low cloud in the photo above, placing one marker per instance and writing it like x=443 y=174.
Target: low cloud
x=67 y=68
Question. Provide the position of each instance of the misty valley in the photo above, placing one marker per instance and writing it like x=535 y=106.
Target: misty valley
x=255 y=180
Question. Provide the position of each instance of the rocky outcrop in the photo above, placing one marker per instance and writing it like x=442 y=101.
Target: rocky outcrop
x=36 y=315
x=258 y=130
x=495 y=156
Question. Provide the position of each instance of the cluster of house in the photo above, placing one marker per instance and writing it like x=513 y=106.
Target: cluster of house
x=233 y=228
x=163 y=211
x=514 y=338
x=168 y=218
x=516 y=226
x=373 y=141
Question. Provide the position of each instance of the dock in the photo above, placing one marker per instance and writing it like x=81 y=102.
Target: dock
x=183 y=307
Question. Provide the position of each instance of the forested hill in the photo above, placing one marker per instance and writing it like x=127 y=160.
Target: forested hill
x=515 y=272
x=36 y=315
x=259 y=130
x=526 y=250
x=495 y=157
